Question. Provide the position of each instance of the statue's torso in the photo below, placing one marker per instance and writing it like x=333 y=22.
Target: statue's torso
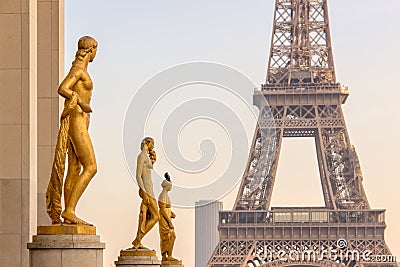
x=146 y=175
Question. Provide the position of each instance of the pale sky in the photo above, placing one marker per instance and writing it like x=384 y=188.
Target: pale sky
x=138 y=39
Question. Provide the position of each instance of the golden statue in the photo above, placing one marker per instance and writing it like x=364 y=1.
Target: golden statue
x=148 y=215
x=166 y=228
x=73 y=136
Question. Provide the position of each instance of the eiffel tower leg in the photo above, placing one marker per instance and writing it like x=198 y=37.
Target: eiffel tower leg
x=338 y=162
x=273 y=160
x=259 y=177
x=324 y=172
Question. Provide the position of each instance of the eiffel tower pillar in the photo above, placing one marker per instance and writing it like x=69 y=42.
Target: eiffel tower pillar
x=301 y=98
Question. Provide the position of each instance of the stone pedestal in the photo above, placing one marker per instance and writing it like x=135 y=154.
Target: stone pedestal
x=137 y=258
x=66 y=246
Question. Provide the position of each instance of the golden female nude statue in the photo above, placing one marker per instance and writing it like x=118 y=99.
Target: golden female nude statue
x=166 y=228
x=73 y=136
x=148 y=215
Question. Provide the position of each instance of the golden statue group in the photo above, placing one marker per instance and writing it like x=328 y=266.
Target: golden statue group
x=150 y=213
x=74 y=140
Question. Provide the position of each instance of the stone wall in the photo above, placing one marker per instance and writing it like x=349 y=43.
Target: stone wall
x=28 y=117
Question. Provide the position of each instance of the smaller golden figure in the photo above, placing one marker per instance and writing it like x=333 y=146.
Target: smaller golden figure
x=148 y=215
x=166 y=228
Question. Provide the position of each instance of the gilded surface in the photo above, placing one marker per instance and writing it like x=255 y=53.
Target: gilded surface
x=148 y=215
x=66 y=230
x=138 y=253
x=166 y=228
x=73 y=137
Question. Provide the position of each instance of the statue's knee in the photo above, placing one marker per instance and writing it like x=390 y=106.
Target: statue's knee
x=92 y=169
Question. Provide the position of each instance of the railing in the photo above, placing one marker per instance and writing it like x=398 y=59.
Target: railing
x=302 y=216
x=303 y=88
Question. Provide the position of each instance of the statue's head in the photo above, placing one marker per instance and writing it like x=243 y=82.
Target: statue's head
x=86 y=46
x=167 y=184
x=147 y=142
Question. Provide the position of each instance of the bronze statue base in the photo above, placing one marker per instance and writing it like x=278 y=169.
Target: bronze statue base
x=138 y=252
x=66 y=229
x=171 y=264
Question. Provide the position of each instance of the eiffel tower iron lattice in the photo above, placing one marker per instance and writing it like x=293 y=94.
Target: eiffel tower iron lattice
x=304 y=100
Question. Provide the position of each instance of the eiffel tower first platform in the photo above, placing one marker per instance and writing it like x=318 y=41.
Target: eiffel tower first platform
x=305 y=100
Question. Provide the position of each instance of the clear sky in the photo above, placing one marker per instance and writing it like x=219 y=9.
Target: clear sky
x=138 y=39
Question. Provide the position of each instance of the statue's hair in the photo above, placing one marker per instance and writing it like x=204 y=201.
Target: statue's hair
x=152 y=153
x=165 y=183
x=146 y=141
x=85 y=45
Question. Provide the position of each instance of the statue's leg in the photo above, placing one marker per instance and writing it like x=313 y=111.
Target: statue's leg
x=172 y=237
x=153 y=209
x=164 y=256
x=164 y=243
x=141 y=227
x=148 y=224
x=84 y=150
x=74 y=169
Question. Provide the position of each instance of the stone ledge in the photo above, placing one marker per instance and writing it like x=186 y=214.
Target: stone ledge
x=66 y=242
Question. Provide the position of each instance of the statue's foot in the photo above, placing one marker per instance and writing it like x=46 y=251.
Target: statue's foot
x=56 y=221
x=172 y=259
x=70 y=218
x=138 y=245
x=143 y=247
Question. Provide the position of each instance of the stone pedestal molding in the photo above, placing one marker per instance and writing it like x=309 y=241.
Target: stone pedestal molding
x=66 y=246
x=137 y=258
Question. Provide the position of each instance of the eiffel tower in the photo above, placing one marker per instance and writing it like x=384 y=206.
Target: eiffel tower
x=305 y=100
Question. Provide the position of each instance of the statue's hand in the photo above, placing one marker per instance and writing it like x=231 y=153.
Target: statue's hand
x=144 y=196
x=85 y=107
x=171 y=226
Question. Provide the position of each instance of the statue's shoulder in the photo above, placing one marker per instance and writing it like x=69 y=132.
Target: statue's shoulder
x=163 y=198
x=141 y=157
x=76 y=71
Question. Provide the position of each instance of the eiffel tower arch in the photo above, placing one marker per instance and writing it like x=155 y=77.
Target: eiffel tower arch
x=304 y=100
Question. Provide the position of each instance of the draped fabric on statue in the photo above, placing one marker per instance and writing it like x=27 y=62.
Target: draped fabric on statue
x=54 y=189
x=167 y=235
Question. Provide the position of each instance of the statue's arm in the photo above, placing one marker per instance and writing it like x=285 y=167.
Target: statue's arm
x=163 y=212
x=139 y=171
x=65 y=88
